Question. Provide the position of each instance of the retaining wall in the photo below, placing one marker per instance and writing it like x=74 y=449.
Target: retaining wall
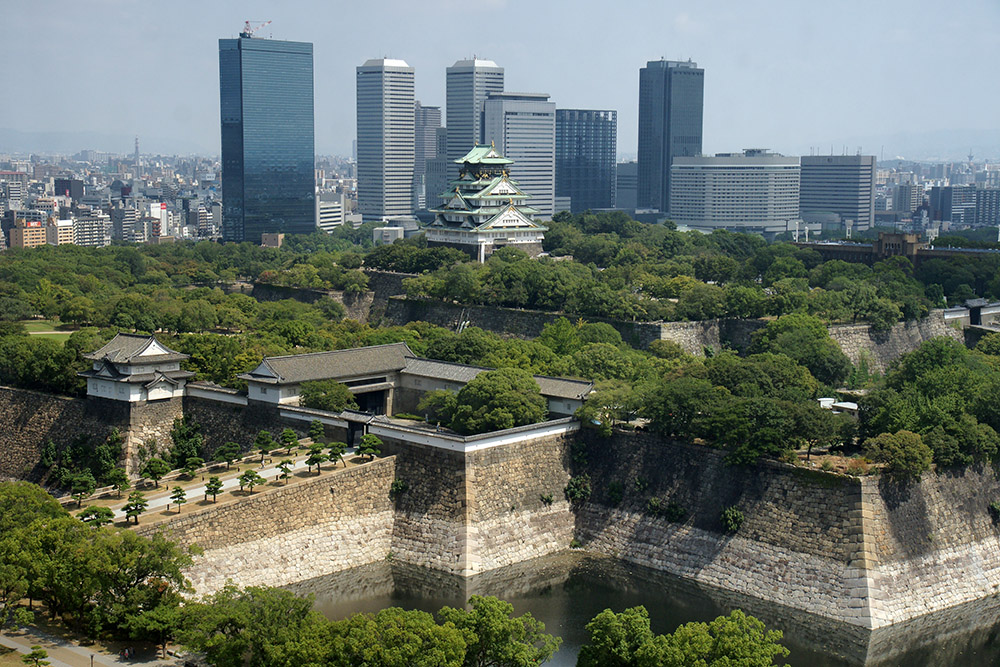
x=292 y=534
x=865 y=551
x=859 y=342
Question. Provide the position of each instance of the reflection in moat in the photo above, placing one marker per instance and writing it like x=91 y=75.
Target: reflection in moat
x=566 y=590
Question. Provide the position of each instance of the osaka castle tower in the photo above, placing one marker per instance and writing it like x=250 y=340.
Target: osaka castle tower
x=484 y=209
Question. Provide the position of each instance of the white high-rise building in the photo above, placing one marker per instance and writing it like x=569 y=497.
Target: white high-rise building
x=468 y=83
x=385 y=138
x=522 y=127
x=752 y=191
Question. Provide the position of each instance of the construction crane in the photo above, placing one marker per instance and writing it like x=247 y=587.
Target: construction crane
x=249 y=29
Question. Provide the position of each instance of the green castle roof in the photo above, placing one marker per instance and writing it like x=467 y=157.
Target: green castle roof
x=483 y=154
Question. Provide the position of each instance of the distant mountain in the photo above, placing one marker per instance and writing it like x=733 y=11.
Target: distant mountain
x=68 y=143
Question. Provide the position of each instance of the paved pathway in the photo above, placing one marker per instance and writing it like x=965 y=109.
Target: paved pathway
x=269 y=472
x=63 y=653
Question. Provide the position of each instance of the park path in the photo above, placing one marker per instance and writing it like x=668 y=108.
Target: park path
x=270 y=473
x=63 y=653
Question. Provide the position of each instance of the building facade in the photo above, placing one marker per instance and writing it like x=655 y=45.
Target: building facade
x=467 y=85
x=753 y=191
x=268 y=150
x=671 y=103
x=385 y=138
x=427 y=123
x=586 y=158
x=486 y=209
x=522 y=127
x=838 y=186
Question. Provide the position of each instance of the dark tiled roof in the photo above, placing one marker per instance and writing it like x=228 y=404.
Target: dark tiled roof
x=338 y=364
x=445 y=370
x=124 y=348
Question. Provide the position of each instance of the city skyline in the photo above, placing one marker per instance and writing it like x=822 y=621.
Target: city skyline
x=790 y=77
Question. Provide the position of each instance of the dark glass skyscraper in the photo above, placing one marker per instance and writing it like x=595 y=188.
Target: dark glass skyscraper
x=586 y=156
x=671 y=100
x=266 y=102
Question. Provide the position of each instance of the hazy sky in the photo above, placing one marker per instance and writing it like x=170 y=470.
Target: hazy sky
x=788 y=74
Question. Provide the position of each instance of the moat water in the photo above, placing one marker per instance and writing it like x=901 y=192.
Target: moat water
x=565 y=591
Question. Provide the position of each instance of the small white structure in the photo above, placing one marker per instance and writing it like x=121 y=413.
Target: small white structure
x=135 y=368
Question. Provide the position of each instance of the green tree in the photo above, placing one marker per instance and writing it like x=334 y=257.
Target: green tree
x=253 y=626
x=118 y=478
x=97 y=516
x=616 y=639
x=250 y=479
x=265 y=443
x=187 y=439
x=160 y=623
x=227 y=452
x=285 y=468
x=494 y=636
x=36 y=657
x=328 y=395
x=83 y=486
x=316 y=430
x=135 y=506
x=213 y=487
x=395 y=637
x=806 y=340
x=905 y=453
x=316 y=458
x=192 y=465
x=499 y=399
x=179 y=496
x=290 y=439
x=155 y=469
x=336 y=450
x=370 y=446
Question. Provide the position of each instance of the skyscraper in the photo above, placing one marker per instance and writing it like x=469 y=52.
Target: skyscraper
x=671 y=100
x=385 y=139
x=468 y=83
x=266 y=104
x=586 y=155
x=838 y=188
x=427 y=122
x=522 y=126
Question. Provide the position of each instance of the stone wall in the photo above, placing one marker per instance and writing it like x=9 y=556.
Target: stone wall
x=31 y=418
x=865 y=551
x=932 y=545
x=290 y=534
x=799 y=534
x=504 y=321
x=356 y=307
x=226 y=422
x=470 y=513
x=859 y=342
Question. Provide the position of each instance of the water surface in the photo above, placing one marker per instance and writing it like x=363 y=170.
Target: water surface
x=566 y=591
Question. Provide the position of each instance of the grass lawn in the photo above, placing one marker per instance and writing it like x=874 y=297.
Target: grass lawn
x=57 y=336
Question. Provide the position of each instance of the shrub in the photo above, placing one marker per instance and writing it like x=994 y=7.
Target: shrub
x=398 y=488
x=641 y=484
x=904 y=453
x=615 y=492
x=732 y=519
x=654 y=506
x=857 y=467
x=578 y=490
x=994 y=509
x=546 y=499
x=674 y=512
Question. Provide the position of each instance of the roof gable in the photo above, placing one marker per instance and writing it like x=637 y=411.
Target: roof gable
x=125 y=348
x=511 y=218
